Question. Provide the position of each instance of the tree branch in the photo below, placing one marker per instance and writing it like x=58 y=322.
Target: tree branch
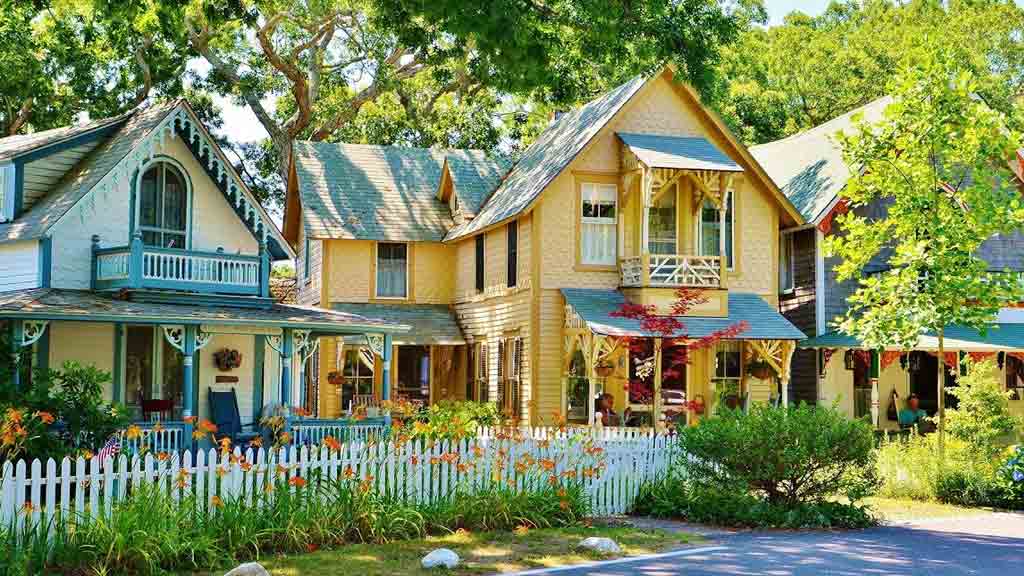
x=147 y=74
x=22 y=117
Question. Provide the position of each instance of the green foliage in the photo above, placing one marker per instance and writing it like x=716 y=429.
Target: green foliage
x=151 y=532
x=1011 y=475
x=982 y=418
x=73 y=398
x=776 y=81
x=455 y=420
x=938 y=163
x=678 y=497
x=785 y=455
x=968 y=476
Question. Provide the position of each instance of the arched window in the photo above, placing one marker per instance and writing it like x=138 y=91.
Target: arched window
x=163 y=206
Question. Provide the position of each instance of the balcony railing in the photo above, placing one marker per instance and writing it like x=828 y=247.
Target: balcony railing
x=147 y=267
x=671 y=270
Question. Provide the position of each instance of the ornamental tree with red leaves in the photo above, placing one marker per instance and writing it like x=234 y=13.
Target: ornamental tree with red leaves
x=677 y=344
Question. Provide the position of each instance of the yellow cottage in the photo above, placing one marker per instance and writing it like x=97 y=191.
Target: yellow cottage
x=508 y=274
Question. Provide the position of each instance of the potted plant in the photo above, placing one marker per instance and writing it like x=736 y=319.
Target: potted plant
x=729 y=394
x=604 y=369
x=760 y=370
x=335 y=378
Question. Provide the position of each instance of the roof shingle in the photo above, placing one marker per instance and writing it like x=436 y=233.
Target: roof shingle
x=430 y=323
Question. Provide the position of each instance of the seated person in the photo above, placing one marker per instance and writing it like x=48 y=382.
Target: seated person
x=912 y=414
x=606 y=406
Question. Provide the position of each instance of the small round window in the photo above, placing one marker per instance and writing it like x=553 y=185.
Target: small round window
x=163 y=207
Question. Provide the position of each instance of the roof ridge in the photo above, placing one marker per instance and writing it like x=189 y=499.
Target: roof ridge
x=394 y=146
x=814 y=130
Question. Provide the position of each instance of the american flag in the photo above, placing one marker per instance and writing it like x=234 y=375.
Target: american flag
x=110 y=449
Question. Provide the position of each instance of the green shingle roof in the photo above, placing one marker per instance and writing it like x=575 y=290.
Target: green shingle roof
x=14 y=146
x=474 y=176
x=80 y=179
x=370 y=192
x=58 y=304
x=430 y=323
x=678 y=152
x=595 y=307
x=999 y=336
x=809 y=166
x=545 y=159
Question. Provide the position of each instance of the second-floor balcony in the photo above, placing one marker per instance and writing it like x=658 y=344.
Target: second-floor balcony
x=671 y=271
x=142 y=267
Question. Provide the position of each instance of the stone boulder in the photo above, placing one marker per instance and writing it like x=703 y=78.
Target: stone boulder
x=249 y=569
x=600 y=545
x=440 y=558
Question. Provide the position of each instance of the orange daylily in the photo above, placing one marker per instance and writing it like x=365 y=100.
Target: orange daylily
x=297 y=481
x=45 y=417
x=216 y=501
x=133 y=432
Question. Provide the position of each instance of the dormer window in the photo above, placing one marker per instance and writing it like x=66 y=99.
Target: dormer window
x=163 y=206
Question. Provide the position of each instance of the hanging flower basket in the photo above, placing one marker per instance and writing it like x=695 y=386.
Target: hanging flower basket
x=761 y=370
x=227 y=360
x=335 y=378
x=604 y=370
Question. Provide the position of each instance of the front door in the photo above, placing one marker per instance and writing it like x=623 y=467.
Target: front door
x=413 y=377
x=924 y=372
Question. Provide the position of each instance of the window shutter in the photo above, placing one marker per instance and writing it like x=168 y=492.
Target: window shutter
x=502 y=374
x=512 y=234
x=470 y=372
x=7 y=192
x=480 y=263
x=482 y=375
x=516 y=380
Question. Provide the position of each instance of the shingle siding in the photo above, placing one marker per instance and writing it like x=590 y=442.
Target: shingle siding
x=798 y=306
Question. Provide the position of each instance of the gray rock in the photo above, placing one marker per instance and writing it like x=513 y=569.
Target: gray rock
x=440 y=558
x=249 y=569
x=600 y=545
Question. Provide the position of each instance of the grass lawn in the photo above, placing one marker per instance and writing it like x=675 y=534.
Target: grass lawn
x=902 y=510
x=481 y=553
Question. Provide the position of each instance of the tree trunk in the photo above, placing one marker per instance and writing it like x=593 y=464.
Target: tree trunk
x=942 y=396
x=283 y=148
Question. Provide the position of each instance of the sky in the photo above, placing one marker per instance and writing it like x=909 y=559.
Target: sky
x=241 y=125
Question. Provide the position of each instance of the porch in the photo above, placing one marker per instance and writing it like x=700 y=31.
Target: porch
x=166 y=359
x=603 y=355
x=874 y=384
x=677 y=212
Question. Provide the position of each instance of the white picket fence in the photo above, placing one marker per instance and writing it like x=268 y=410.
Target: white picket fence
x=612 y=470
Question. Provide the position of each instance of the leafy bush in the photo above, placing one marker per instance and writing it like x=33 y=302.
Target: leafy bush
x=676 y=497
x=445 y=420
x=58 y=413
x=982 y=417
x=787 y=455
x=1011 y=473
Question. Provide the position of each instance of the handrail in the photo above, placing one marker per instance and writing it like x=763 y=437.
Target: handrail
x=671 y=270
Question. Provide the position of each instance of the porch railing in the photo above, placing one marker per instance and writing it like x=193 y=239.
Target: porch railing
x=308 y=432
x=671 y=270
x=154 y=437
x=138 y=266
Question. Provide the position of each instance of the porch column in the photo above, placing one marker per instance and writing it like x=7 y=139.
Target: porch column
x=265 y=266
x=17 y=335
x=188 y=350
x=657 y=383
x=645 y=209
x=873 y=371
x=287 y=348
x=385 y=369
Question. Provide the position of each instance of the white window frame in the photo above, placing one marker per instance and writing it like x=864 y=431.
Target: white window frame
x=786 y=246
x=157 y=369
x=590 y=220
x=7 y=192
x=730 y=198
x=188 y=200
x=376 y=272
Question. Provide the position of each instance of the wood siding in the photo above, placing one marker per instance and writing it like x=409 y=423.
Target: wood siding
x=798 y=306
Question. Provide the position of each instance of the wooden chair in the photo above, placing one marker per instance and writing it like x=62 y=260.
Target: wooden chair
x=224 y=413
x=367 y=400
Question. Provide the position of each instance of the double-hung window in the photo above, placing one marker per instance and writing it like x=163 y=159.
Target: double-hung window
x=710 y=228
x=599 y=205
x=163 y=206
x=512 y=232
x=392 y=270
x=358 y=371
x=479 y=270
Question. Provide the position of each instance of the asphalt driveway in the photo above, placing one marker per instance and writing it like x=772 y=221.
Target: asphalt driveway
x=985 y=544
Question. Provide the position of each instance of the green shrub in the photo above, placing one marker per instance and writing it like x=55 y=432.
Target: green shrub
x=982 y=417
x=786 y=455
x=447 y=420
x=677 y=497
x=1011 y=475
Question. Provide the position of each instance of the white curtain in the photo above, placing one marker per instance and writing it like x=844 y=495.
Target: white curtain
x=597 y=223
x=391 y=261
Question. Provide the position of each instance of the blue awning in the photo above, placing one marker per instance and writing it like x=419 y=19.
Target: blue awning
x=678 y=152
x=595 y=307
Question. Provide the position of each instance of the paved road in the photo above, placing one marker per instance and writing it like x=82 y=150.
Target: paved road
x=987 y=544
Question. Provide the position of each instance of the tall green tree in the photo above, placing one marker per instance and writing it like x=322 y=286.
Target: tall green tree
x=101 y=57
x=781 y=80
x=445 y=73
x=938 y=163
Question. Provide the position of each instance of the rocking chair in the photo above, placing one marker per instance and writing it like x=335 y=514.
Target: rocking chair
x=224 y=413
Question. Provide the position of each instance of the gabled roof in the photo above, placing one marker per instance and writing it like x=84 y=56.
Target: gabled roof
x=12 y=147
x=595 y=306
x=545 y=159
x=474 y=176
x=80 y=180
x=133 y=131
x=678 y=152
x=362 y=191
x=809 y=166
